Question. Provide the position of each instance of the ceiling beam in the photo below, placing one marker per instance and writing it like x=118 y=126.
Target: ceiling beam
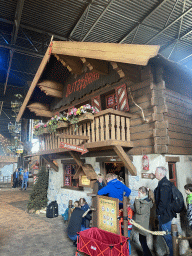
x=144 y=18
x=17 y=20
x=8 y=70
x=18 y=13
x=29 y=53
x=40 y=31
x=80 y=19
x=171 y=24
x=98 y=19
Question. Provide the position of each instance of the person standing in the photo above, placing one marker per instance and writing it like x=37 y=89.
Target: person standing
x=188 y=191
x=15 y=178
x=115 y=188
x=25 y=179
x=163 y=197
x=99 y=184
x=84 y=206
x=75 y=222
x=143 y=204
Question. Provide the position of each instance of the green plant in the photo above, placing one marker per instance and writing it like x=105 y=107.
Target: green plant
x=38 y=197
x=52 y=124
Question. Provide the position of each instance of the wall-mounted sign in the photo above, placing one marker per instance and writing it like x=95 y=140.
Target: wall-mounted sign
x=145 y=175
x=19 y=150
x=84 y=181
x=81 y=83
x=80 y=149
x=107 y=214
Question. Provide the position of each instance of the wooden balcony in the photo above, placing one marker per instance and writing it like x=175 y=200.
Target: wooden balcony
x=109 y=128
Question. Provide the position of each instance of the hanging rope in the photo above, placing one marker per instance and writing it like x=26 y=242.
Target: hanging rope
x=155 y=233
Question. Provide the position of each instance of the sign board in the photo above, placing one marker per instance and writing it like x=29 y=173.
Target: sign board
x=107 y=214
x=19 y=150
x=145 y=175
x=80 y=149
x=84 y=181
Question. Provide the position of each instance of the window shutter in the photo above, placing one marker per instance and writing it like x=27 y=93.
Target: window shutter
x=122 y=99
x=96 y=102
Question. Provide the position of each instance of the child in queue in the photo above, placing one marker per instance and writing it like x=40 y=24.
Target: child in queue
x=143 y=204
x=84 y=206
x=188 y=191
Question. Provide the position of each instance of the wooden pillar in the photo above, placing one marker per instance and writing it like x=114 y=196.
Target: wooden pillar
x=70 y=209
x=125 y=216
x=175 y=240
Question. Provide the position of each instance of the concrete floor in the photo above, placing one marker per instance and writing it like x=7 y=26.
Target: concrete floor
x=24 y=234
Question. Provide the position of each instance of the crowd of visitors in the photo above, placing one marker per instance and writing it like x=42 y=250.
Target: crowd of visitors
x=165 y=196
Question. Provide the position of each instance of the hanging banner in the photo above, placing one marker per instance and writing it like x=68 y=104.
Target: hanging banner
x=80 y=149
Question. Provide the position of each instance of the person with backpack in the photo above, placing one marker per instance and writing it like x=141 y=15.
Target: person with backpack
x=143 y=204
x=163 y=200
x=188 y=191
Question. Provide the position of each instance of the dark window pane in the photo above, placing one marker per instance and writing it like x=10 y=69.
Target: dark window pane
x=170 y=171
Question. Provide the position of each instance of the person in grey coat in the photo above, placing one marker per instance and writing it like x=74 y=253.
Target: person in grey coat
x=143 y=204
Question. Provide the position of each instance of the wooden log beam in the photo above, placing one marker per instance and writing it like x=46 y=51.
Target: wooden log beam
x=51 y=92
x=73 y=63
x=76 y=158
x=125 y=159
x=37 y=105
x=52 y=85
x=99 y=66
x=43 y=113
x=50 y=162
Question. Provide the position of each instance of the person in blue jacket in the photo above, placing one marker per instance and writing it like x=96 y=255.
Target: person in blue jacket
x=114 y=188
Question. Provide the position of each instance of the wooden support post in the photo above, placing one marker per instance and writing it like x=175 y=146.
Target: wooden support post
x=125 y=220
x=125 y=159
x=50 y=162
x=94 y=213
x=70 y=209
x=76 y=158
x=175 y=240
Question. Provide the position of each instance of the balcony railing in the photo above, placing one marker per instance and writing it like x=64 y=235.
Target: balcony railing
x=107 y=126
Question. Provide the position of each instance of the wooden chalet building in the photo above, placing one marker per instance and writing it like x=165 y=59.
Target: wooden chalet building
x=144 y=118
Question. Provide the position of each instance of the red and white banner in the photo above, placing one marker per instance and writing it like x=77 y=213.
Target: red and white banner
x=80 y=149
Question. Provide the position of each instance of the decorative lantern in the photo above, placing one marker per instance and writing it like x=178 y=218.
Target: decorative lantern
x=145 y=163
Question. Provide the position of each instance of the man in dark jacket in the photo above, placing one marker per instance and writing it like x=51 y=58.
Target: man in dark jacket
x=15 y=178
x=163 y=197
x=114 y=188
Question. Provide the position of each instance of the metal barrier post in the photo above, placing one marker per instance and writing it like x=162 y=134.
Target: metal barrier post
x=175 y=240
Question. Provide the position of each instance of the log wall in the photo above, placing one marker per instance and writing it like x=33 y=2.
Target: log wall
x=141 y=132
x=179 y=119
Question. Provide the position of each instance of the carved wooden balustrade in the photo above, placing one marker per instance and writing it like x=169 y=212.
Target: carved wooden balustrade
x=108 y=127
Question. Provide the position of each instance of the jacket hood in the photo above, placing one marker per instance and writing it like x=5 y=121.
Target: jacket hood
x=116 y=183
x=147 y=202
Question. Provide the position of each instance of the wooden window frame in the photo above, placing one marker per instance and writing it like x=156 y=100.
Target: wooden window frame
x=115 y=103
x=174 y=180
x=70 y=177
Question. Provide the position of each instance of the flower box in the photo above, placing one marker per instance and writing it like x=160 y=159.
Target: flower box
x=62 y=125
x=85 y=117
x=45 y=131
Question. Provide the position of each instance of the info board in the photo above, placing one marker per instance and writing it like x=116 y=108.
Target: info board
x=107 y=214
